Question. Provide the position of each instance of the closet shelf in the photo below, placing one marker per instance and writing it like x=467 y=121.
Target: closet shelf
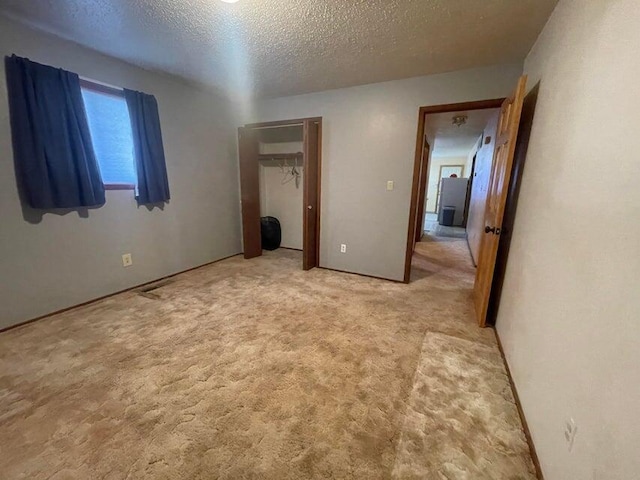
x=280 y=156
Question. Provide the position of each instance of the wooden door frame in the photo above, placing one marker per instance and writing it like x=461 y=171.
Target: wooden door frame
x=417 y=164
x=300 y=121
x=422 y=189
x=467 y=202
x=248 y=154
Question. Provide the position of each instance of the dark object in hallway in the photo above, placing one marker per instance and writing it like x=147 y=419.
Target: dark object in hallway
x=448 y=214
x=271 y=233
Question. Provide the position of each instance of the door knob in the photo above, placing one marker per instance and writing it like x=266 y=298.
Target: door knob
x=494 y=230
x=309 y=207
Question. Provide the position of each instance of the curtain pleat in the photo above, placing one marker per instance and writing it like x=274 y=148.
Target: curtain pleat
x=153 y=183
x=55 y=162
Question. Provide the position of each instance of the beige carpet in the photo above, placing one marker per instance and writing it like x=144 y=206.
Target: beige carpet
x=258 y=370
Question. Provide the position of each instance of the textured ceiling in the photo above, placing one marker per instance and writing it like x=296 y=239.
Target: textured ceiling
x=448 y=140
x=272 y=48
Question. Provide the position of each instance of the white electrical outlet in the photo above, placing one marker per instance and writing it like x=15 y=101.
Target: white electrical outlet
x=343 y=248
x=127 y=261
x=390 y=185
x=570 y=430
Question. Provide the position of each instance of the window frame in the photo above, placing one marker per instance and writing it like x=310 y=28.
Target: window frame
x=115 y=92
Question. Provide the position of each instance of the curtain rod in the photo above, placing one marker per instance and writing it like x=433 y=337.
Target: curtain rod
x=97 y=82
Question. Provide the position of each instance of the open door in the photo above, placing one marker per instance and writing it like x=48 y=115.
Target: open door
x=497 y=196
x=422 y=192
x=311 y=220
x=250 y=191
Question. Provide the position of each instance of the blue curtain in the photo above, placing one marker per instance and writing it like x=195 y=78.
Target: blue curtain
x=151 y=169
x=55 y=162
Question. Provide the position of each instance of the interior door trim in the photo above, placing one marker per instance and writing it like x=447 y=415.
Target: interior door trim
x=297 y=122
x=422 y=190
x=249 y=195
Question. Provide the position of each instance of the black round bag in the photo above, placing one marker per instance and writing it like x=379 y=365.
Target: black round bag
x=271 y=233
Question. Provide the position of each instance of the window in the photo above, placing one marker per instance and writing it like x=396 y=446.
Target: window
x=110 y=127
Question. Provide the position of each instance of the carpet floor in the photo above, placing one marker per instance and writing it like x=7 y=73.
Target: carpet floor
x=258 y=370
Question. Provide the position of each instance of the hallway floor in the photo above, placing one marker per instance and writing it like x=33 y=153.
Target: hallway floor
x=256 y=369
x=433 y=228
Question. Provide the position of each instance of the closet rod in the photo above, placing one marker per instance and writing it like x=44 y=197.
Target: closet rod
x=280 y=156
x=284 y=125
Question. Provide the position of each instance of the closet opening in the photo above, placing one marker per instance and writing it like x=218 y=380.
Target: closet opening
x=280 y=187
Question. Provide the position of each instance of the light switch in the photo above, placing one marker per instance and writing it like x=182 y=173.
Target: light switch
x=390 y=185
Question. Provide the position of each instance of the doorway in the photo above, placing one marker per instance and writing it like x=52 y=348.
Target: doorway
x=280 y=165
x=455 y=135
x=488 y=204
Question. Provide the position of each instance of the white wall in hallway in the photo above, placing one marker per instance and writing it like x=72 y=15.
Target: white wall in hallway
x=368 y=138
x=569 y=318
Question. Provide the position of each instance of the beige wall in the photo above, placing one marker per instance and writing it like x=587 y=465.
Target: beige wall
x=480 y=186
x=368 y=138
x=569 y=317
x=65 y=259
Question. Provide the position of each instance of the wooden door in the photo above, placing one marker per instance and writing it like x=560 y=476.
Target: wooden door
x=508 y=220
x=311 y=195
x=422 y=192
x=480 y=187
x=250 y=191
x=507 y=135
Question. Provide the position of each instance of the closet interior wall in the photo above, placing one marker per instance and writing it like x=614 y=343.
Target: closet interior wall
x=281 y=180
